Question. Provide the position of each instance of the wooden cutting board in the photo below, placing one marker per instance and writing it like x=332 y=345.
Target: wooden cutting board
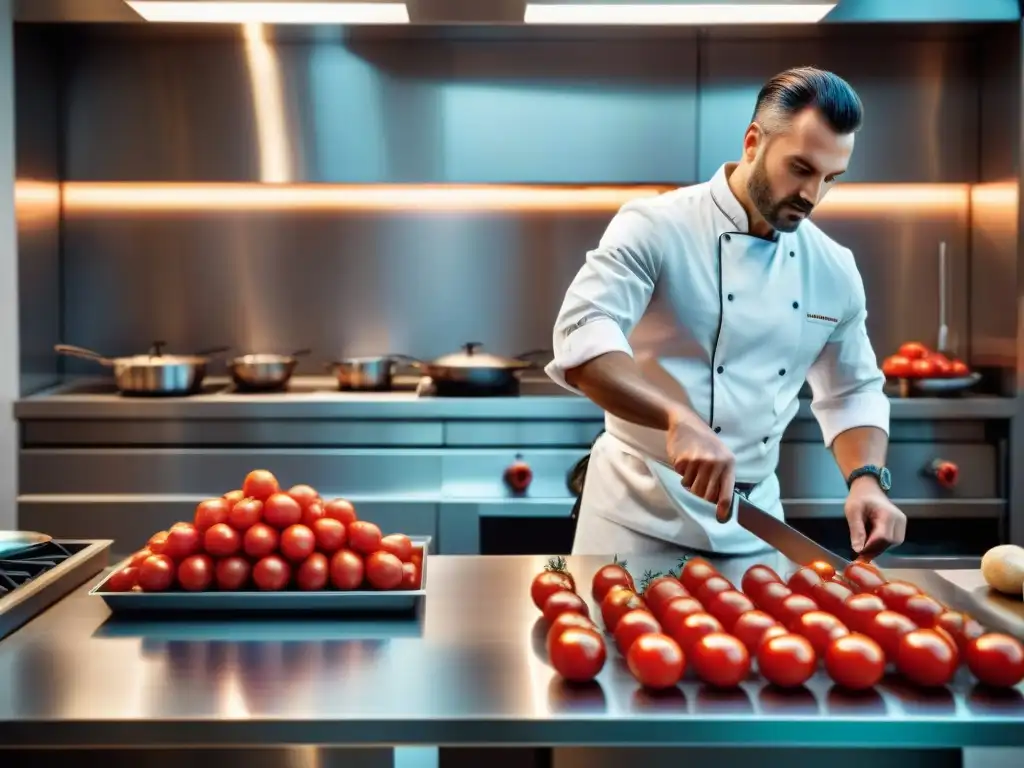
x=969 y=592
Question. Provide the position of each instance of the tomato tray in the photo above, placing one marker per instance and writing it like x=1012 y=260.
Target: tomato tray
x=327 y=601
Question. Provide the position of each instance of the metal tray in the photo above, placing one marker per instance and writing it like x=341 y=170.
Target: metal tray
x=253 y=601
x=911 y=387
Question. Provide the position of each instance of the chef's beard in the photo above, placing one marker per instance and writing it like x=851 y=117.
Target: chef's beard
x=760 y=191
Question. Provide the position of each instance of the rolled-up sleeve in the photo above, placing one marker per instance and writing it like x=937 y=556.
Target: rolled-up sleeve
x=845 y=379
x=609 y=294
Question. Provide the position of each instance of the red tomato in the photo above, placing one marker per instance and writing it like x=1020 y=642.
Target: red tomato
x=996 y=660
x=617 y=604
x=660 y=591
x=271 y=574
x=330 y=535
x=793 y=607
x=922 y=369
x=712 y=586
x=656 y=661
x=182 y=541
x=195 y=573
x=410 y=576
x=914 y=350
x=384 y=571
x=863 y=577
x=578 y=654
x=923 y=610
x=222 y=540
x=311 y=513
x=803 y=581
x=694 y=627
x=770 y=598
x=720 y=660
x=787 y=661
x=563 y=601
x=631 y=626
x=260 y=540
x=832 y=596
x=211 y=512
x=564 y=622
x=245 y=514
x=232 y=573
x=233 y=497
x=297 y=543
x=156 y=573
x=696 y=571
x=260 y=484
x=157 y=542
x=861 y=610
x=961 y=627
x=823 y=569
x=820 y=629
x=341 y=510
x=347 y=570
x=750 y=629
x=303 y=494
x=855 y=662
x=959 y=369
x=756 y=577
x=728 y=606
x=926 y=658
x=123 y=580
x=896 y=593
x=896 y=367
x=312 y=573
x=399 y=545
x=281 y=510
x=364 y=537
x=676 y=610
x=887 y=629
x=608 y=576
x=943 y=367
x=545 y=584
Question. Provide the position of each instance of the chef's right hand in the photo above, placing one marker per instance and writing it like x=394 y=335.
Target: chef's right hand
x=707 y=466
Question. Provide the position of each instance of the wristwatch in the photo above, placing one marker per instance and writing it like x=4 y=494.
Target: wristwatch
x=881 y=474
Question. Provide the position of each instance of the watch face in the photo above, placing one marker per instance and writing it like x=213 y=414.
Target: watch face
x=885 y=479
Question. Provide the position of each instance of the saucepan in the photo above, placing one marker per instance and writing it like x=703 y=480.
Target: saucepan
x=154 y=373
x=368 y=374
x=16 y=542
x=264 y=372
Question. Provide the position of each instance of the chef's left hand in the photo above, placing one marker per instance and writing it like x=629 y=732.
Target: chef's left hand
x=875 y=522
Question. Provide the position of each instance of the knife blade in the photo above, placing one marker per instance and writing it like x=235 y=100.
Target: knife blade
x=784 y=537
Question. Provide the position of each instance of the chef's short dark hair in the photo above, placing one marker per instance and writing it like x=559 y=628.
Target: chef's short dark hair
x=794 y=90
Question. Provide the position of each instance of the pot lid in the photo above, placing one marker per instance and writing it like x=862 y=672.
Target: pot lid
x=472 y=356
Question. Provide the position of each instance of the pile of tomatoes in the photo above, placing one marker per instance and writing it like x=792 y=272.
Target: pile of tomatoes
x=853 y=624
x=916 y=361
x=260 y=536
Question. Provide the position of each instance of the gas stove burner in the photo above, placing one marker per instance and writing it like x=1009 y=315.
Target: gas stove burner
x=20 y=568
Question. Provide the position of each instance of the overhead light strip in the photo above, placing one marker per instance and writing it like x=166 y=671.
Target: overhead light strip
x=678 y=13
x=183 y=12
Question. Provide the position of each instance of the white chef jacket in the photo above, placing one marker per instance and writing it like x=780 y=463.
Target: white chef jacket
x=740 y=322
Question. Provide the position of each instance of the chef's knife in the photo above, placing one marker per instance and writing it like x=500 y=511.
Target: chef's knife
x=784 y=537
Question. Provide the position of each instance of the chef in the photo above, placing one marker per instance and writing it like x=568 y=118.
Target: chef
x=694 y=324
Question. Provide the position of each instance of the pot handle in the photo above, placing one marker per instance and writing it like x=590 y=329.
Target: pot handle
x=212 y=352
x=301 y=353
x=530 y=357
x=81 y=352
x=409 y=360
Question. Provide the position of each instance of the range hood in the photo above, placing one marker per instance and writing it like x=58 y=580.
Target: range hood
x=519 y=12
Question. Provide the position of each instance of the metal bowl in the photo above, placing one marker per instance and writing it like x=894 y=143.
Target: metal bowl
x=263 y=372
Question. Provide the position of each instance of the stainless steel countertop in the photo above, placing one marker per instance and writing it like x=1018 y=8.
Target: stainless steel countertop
x=318 y=398
x=470 y=670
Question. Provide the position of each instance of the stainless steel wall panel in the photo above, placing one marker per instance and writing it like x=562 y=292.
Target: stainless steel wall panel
x=522 y=433
x=479 y=474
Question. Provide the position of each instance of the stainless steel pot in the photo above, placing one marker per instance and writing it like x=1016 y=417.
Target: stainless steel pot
x=264 y=372
x=151 y=374
x=367 y=374
x=473 y=372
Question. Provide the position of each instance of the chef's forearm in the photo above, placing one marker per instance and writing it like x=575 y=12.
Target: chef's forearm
x=858 y=447
x=616 y=382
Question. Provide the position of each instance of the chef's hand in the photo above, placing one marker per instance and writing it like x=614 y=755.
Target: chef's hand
x=707 y=466
x=875 y=522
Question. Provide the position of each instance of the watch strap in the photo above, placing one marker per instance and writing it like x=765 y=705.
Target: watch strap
x=881 y=474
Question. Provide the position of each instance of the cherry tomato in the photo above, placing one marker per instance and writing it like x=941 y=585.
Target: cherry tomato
x=545 y=584
x=922 y=369
x=712 y=586
x=861 y=610
x=156 y=573
x=787 y=661
x=330 y=535
x=221 y=540
x=864 y=577
x=831 y=596
x=793 y=607
x=608 y=576
x=720 y=660
x=182 y=540
x=694 y=627
x=996 y=660
x=260 y=540
x=943 y=367
x=959 y=369
x=271 y=574
x=696 y=571
x=232 y=573
x=210 y=512
x=281 y=510
x=347 y=570
x=961 y=627
x=926 y=658
x=820 y=629
x=139 y=557
x=914 y=350
x=364 y=537
x=750 y=629
x=578 y=654
x=232 y=498
x=260 y=484
x=896 y=367
x=564 y=622
x=410 y=576
x=195 y=573
x=311 y=513
x=561 y=602
x=297 y=543
x=803 y=581
x=341 y=510
x=157 y=542
x=631 y=626
x=123 y=580
x=245 y=514
x=728 y=606
x=399 y=545
x=303 y=494
x=676 y=610
x=923 y=610
x=660 y=591
x=617 y=604
x=855 y=662
x=313 y=572
x=887 y=629
x=656 y=661
x=823 y=569
x=756 y=577
x=770 y=598
x=384 y=571
x=896 y=593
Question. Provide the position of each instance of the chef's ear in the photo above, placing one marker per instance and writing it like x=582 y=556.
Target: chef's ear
x=752 y=141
